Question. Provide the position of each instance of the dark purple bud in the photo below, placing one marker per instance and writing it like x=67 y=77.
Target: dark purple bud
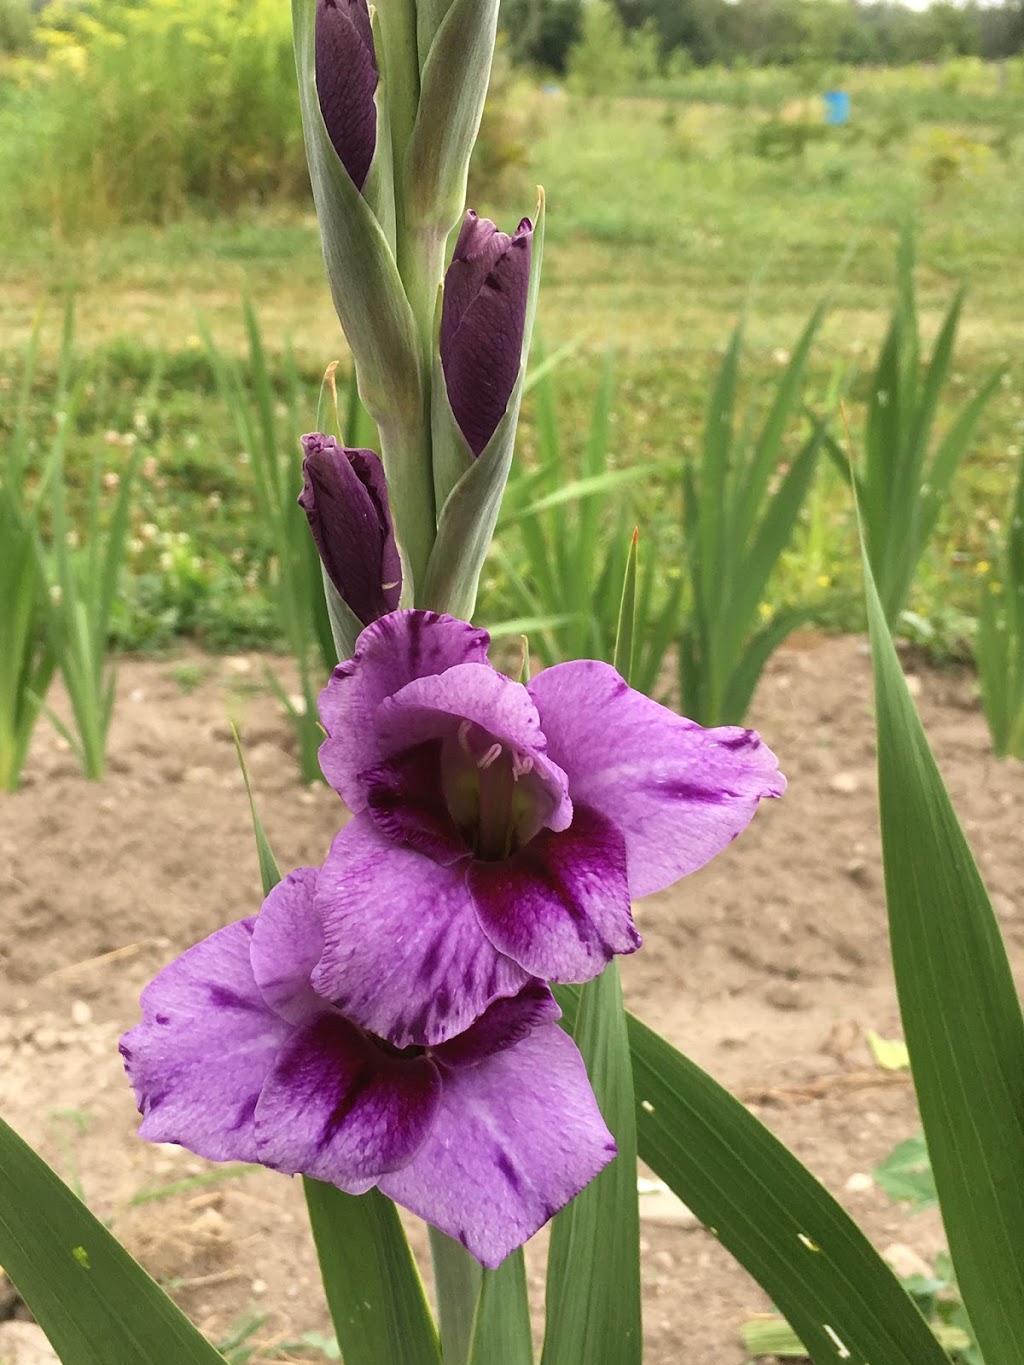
x=345 y=497
x=346 y=79
x=482 y=321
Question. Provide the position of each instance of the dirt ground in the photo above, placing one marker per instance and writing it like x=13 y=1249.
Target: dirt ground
x=767 y=968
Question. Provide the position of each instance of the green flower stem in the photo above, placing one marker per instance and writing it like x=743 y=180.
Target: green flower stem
x=405 y=448
x=398 y=59
x=457 y=1280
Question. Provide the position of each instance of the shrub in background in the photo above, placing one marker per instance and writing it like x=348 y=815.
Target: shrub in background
x=196 y=100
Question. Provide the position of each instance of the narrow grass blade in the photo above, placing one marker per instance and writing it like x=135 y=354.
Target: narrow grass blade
x=948 y=456
x=739 y=611
x=593 y=1285
x=767 y=1209
x=757 y=651
x=458 y=1279
x=935 y=375
x=95 y=1303
x=767 y=452
x=625 y=635
x=270 y=873
x=501 y=1328
x=961 y=1015
x=712 y=527
x=580 y=490
x=374 y=1290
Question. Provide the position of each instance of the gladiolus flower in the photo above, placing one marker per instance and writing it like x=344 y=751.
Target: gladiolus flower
x=238 y=1058
x=483 y=315
x=500 y=830
x=346 y=80
x=345 y=497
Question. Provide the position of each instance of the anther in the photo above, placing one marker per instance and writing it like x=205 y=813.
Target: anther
x=491 y=756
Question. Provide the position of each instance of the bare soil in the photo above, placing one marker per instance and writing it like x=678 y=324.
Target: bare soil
x=768 y=968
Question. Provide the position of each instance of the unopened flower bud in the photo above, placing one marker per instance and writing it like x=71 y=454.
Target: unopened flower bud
x=482 y=320
x=346 y=80
x=345 y=498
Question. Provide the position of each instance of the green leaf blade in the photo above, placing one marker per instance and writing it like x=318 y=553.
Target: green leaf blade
x=961 y=1015
x=94 y=1302
x=373 y=1287
x=593 y=1288
x=501 y=1327
x=767 y=1209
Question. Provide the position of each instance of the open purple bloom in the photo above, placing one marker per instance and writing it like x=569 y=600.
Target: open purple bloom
x=483 y=315
x=345 y=497
x=501 y=830
x=346 y=81
x=238 y=1058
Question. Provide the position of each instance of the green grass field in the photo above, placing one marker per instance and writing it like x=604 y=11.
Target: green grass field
x=663 y=225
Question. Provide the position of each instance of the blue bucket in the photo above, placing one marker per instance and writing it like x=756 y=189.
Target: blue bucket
x=837 y=107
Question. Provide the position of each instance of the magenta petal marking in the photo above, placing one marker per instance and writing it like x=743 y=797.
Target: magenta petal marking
x=287 y=942
x=389 y=654
x=206 y=1043
x=336 y=1107
x=560 y=906
x=404 y=954
x=514 y=1140
x=678 y=793
x=406 y=802
x=501 y=1025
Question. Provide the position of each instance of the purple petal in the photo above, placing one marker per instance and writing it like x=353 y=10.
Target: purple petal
x=483 y=315
x=404 y=954
x=204 y=1048
x=346 y=79
x=560 y=906
x=479 y=247
x=389 y=654
x=287 y=942
x=514 y=1140
x=501 y=1025
x=432 y=707
x=336 y=1107
x=345 y=499
x=677 y=792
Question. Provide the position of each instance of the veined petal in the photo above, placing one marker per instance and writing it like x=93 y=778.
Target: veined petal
x=514 y=1140
x=204 y=1048
x=404 y=954
x=336 y=1107
x=287 y=942
x=501 y=1025
x=679 y=793
x=389 y=654
x=560 y=906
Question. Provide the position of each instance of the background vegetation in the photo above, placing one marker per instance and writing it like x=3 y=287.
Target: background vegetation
x=154 y=170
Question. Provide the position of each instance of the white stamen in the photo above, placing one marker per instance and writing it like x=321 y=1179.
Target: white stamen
x=464 y=728
x=521 y=765
x=491 y=756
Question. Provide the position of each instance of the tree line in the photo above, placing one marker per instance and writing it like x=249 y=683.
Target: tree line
x=777 y=32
